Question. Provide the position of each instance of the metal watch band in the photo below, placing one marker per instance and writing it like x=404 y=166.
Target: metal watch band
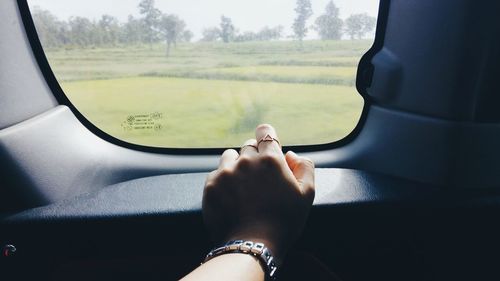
x=257 y=250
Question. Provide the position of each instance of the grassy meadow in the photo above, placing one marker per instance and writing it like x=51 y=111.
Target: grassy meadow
x=214 y=94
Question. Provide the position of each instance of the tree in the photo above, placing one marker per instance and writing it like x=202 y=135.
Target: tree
x=52 y=32
x=109 y=29
x=132 y=31
x=304 y=12
x=187 y=36
x=81 y=31
x=227 y=29
x=329 y=25
x=211 y=34
x=62 y=34
x=172 y=27
x=151 y=17
x=358 y=25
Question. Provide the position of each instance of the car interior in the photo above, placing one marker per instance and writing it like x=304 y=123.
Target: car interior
x=411 y=194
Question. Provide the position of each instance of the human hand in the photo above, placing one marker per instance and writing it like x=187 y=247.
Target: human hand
x=259 y=195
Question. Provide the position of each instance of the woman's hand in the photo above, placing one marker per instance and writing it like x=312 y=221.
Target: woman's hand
x=260 y=194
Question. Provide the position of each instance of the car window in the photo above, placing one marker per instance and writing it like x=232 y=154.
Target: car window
x=203 y=74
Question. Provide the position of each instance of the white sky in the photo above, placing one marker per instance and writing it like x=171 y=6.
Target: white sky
x=199 y=14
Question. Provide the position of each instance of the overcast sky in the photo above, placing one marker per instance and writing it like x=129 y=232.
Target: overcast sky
x=199 y=14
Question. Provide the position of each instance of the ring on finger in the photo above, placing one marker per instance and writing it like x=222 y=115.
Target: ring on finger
x=248 y=145
x=269 y=138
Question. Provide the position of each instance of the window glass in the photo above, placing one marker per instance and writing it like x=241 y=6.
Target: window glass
x=203 y=74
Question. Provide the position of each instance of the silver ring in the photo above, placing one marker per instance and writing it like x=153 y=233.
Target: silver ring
x=247 y=145
x=268 y=138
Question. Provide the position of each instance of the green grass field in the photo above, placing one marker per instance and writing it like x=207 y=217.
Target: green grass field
x=214 y=94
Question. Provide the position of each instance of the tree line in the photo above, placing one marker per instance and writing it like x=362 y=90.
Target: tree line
x=154 y=26
x=329 y=26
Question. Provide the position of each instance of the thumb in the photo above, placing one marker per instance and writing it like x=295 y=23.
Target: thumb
x=303 y=170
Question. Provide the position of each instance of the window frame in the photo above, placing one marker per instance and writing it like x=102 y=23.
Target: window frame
x=363 y=81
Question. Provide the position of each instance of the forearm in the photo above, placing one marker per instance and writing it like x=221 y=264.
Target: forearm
x=229 y=267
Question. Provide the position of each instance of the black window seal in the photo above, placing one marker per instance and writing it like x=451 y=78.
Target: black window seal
x=363 y=81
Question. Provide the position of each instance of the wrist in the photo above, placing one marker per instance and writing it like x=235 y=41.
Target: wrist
x=259 y=233
x=240 y=260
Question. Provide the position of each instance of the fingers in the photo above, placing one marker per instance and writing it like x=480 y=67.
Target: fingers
x=228 y=159
x=267 y=138
x=249 y=148
x=303 y=170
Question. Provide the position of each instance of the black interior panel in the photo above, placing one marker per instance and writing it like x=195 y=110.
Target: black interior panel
x=363 y=226
x=172 y=194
